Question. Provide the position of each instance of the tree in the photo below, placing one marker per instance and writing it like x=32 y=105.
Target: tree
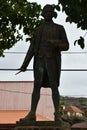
x=76 y=11
x=15 y=16
x=23 y=15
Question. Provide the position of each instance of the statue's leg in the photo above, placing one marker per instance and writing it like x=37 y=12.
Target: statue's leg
x=34 y=102
x=35 y=98
x=56 y=101
x=53 y=71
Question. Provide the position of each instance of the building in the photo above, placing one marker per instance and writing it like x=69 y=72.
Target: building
x=16 y=96
x=73 y=111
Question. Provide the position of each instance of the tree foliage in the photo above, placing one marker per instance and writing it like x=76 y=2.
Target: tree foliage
x=14 y=16
x=21 y=14
x=76 y=11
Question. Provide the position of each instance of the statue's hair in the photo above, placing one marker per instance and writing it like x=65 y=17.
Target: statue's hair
x=49 y=8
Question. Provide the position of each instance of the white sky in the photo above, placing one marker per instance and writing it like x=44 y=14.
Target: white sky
x=72 y=83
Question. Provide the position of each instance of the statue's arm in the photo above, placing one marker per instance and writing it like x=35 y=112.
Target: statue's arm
x=61 y=43
x=28 y=57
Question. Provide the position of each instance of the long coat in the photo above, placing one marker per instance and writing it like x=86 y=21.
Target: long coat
x=53 y=32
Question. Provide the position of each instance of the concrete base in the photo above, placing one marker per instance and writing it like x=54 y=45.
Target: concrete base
x=42 y=125
x=39 y=128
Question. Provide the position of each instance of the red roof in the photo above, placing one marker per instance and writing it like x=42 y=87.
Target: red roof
x=73 y=109
x=12 y=116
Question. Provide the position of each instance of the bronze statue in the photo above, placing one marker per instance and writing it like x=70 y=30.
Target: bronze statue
x=48 y=41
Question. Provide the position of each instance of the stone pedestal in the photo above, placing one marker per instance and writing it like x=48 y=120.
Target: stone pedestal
x=42 y=125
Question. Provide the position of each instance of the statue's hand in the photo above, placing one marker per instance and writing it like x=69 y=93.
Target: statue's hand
x=22 y=69
x=50 y=41
x=53 y=43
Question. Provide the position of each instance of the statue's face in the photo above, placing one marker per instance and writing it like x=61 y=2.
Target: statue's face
x=48 y=15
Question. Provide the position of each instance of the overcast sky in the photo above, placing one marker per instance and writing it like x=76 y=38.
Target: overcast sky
x=72 y=82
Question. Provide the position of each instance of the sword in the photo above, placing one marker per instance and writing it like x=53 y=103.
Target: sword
x=18 y=72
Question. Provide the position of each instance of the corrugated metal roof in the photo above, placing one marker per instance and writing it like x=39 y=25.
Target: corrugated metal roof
x=12 y=116
x=73 y=109
x=17 y=96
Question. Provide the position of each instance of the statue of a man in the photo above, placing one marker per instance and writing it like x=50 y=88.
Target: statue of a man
x=47 y=43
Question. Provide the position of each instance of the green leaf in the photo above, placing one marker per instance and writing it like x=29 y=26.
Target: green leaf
x=57 y=7
x=68 y=19
x=81 y=42
x=28 y=39
x=75 y=42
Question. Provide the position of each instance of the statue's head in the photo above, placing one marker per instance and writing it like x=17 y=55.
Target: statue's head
x=48 y=12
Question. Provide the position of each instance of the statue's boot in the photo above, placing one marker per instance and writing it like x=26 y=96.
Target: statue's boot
x=31 y=116
x=57 y=116
x=58 y=119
